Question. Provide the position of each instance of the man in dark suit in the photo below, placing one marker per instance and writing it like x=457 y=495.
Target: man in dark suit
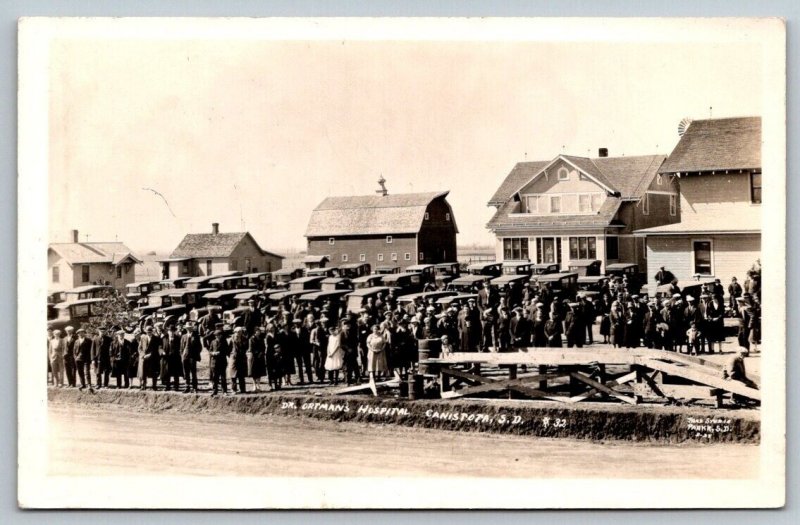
x=218 y=351
x=664 y=276
x=251 y=318
x=573 y=326
x=301 y=346
x=69 y=356
x=171 y=366
x=101 y=357
x=82 y=350
x=120 y=352
x=190 y=355
x=149 y=358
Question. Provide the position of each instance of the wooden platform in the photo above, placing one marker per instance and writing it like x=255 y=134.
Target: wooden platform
x=574 y=375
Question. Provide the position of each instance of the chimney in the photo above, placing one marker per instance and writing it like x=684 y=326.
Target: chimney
x=75 y=236
x=382 y=191
x=215 y=228
x=602 y=152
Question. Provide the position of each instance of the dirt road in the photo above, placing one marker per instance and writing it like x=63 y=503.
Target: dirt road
x=113 y=441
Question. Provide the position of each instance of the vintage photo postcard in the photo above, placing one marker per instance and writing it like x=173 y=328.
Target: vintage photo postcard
x=401 y=263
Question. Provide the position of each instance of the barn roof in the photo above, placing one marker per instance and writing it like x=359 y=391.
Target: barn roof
x=371 y=214
x=198 y=245
x=717 y=144
x=94 y=252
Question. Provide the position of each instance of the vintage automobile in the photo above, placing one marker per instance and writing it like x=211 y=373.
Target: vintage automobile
x=544 y=268
x=468 y=283
x=563 y=284
x=408 y=282
x=403 y=300
x=331 y=271
x=177 y=282
x=305 y=283
x=284 y=275
x=318 y=300
x=92 y=291
x=182 y=302
x=76 y=313
x=259 y=280
x=357 y=298
x=693 y=287
x=517 y=268
x=153 y=303
x=368 y=281
x=455 y=300
x=507 y=279
x=428 y=271
x=197 y=313
x=591 y=283
x=491 y=269
x=234 y=282
x=226 y=299
x=135 y=291
x=446 y=272
x=384 y=270
x=202 y=281
x=335 y=283
x=585 y=268
x=52 y=312
x=56 y=296
x=628 y=270
x=353 y=270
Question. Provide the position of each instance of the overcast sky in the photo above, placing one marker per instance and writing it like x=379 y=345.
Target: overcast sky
x=254 y=135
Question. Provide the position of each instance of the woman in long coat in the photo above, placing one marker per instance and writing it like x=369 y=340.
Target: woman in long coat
x=715 y=323
x=334 y=355
x=617 y=322
x=376 y=357
x=256 y=360
x=552 y=330
x=237 y=365
x=539 y=339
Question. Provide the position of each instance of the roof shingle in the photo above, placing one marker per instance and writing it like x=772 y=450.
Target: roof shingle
x=93 y=252
x=370 y=214
x=717 y=144
x=195 y=245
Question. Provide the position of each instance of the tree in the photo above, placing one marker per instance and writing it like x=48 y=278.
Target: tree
x=112 y=311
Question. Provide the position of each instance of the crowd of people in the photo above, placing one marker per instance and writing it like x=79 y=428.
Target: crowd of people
x=328 y=344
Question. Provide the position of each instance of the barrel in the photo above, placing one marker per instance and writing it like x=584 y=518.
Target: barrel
x=416 y=387
x=429 y=348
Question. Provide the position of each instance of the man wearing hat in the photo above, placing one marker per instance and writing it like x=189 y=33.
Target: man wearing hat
x=101 y=357
x=191 y=347
x=519 y=329
x=734 y=292
x=664 y=276
x=171 y=345
x=69 y=355
x=218 y=351
x=502 y=330
x=676 y=323
x=149 y=358
x=300 y=347
x=650 y=322
x=734 y=370
x=83 y=358
x=120 y=353
x=573 y=326
x=470 y=327
x=251 y=317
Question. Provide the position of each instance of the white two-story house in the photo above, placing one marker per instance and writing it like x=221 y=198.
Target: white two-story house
x=718 y=162
x=577 y=209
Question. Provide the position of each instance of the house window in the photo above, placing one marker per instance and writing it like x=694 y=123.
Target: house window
x=515 y=248
x=548 y=250
x=447 y=217
x=612 y=248
x=421 y=256
x=380 y=257
x=389 y=237
x=185 y=266
x=584 y=202
x=702 y=257
x=56 y=275
x=394 y=256
x=555 y=204
x=344 y=257
x=248 y=264
x=531 y=203
x=362 y=257
x=85 y=273
x=427 y=215
x=646 y=204
x=755 y=188
x=234 y=265
x=583 y=248
x=596 y=201
x=119 y=272
x=659 y=180
x=407 y=256
x=563 y=173
x=208 y=267
x=673 y=205
x=331 y=241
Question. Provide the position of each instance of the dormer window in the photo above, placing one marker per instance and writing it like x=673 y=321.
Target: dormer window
x=563 y=173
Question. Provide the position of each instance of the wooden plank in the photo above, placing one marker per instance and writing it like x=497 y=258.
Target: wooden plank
x=493 y=385
x=703 y=378
x=627 y=378
x=602 y=388
x=367 y=386
x=538 y=356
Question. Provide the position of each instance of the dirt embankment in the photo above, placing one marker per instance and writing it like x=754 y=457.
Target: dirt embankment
x=596 y=422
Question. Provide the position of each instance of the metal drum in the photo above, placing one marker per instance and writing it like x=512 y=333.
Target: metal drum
x=429 y=348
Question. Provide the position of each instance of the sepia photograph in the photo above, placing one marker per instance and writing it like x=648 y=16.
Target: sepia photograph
x=401 y=263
